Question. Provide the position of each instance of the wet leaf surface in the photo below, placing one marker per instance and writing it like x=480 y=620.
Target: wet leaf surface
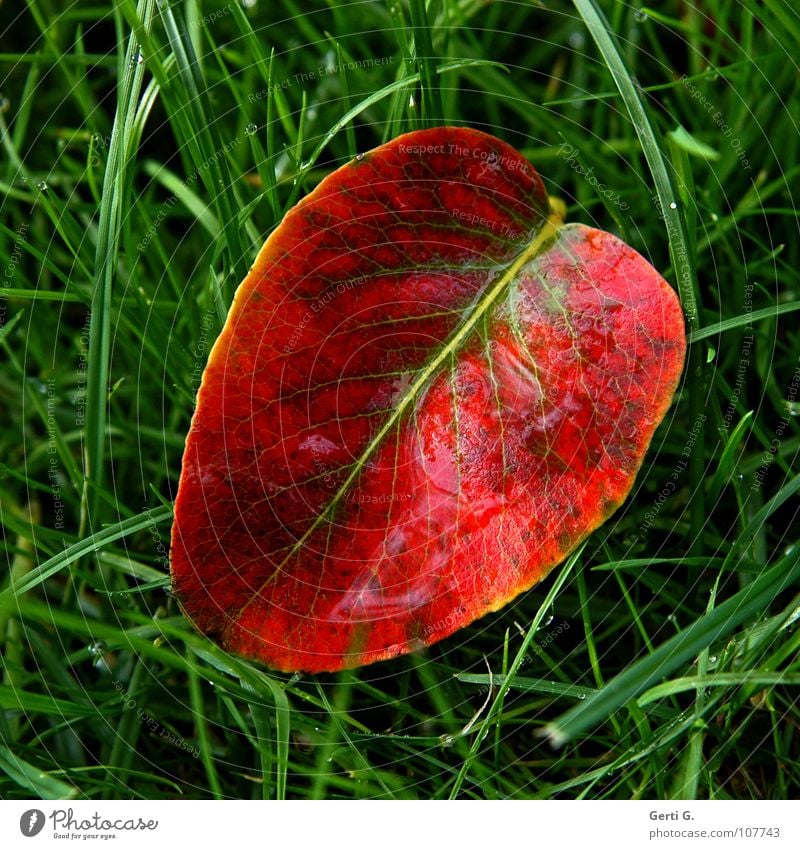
x=429 y=390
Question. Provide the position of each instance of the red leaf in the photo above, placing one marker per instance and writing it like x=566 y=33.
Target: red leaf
x=426 y=394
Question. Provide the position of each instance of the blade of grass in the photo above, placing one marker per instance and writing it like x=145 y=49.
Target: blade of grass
x=432 y=108
x=680 y=247
x=365 y=104
x=112 y=209
x=743 y=606
x=530 y=685
x=203 y=736
x=503 y=688
x=86 y=546
x=40 y=784
x=719 y=679
x=743 y=320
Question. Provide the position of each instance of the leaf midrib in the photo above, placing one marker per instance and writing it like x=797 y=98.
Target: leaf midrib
x=488 y=299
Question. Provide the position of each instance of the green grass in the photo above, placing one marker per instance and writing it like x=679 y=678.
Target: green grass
x=147 y=150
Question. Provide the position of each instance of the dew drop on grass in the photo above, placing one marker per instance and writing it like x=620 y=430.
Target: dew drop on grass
x=576 y=40
x=251 y=129
x=41 y=185
x=249 y=4
x=96 y=651
x=5 y=103
x=639 y=16
x=673 y=205
x=792 y=408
